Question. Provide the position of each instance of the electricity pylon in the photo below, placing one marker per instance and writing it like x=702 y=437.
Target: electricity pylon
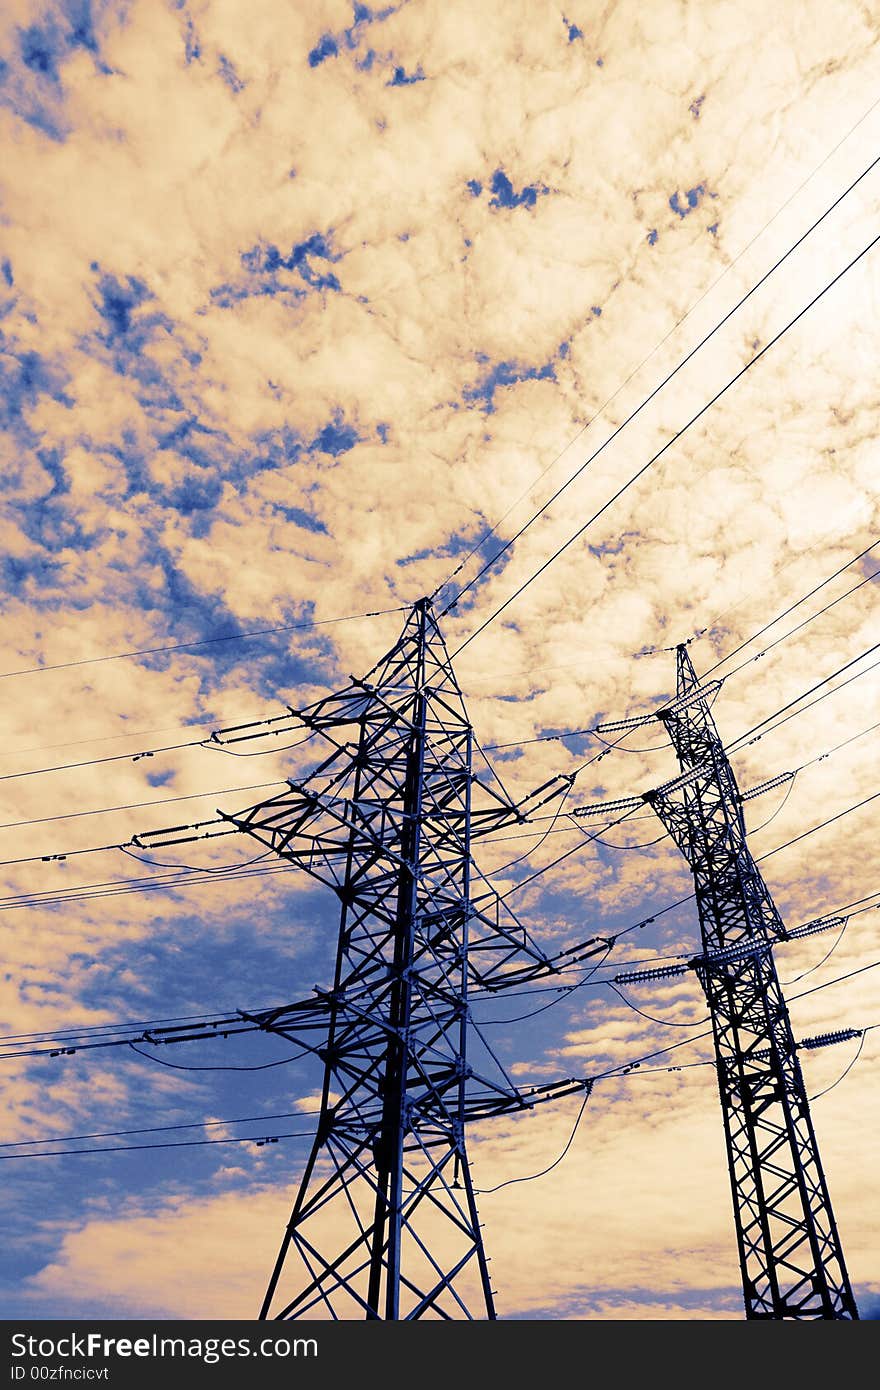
x=385 y=1222
x=789 y=1249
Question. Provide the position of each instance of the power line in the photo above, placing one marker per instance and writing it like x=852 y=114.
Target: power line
x=98 y=762
x=748 y=661
x=741 y=739
x=819 y=963
x=794 y=714
x=203 y=642
x=592 y=730
x=152 y=1129
x=485 y=1191
x=259 y=1140
x=654 y=958
x=100 y=1029
x=533 y=1178
x=184 y=877
x=139 y=805
x=838 y=979
x=544 y=738
x=668 y=445
x=647 y=400
x=698 y=1037
x=223 y=1019
x=562 y=991
x=211 y=1066
x=150 y=752
x=830 y=821
x=784 y=614
x=255 y=1119
x=102 y=738
x=119 y=887
x=759 y=859
x=627 y=814
x=853 y=909
x=610 y=399
x=846 y=1071
x=265 y=1139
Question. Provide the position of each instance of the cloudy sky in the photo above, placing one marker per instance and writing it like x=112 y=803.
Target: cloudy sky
x=304 y=306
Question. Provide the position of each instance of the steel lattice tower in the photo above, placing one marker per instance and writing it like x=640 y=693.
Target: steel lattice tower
x=790 y=1254
x=385 y=1221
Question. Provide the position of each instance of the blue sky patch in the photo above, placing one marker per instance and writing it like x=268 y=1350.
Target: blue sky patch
x=199 y=491
x=336 y=437
x=159 y=778
x=330 y=45
x=47 y=521
x=505 y=196
x=82 y=24
x=40 y=50
x=502 y=374
x=456 y=544
x=118 y=302
x=325 y=48
x=229 y=75
x=274 y=449
x=192 y=48
x=691 y=200
x=265 y=264
x=402 y=79
x=130 y=322
x=31 y=70
x=305 y=520
x=24 y=377
x=22 y=575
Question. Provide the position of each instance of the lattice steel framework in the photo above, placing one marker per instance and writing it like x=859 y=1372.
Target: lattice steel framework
x=790 y=1254
x=385 y=1222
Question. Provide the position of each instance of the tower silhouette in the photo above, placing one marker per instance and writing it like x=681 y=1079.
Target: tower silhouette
x=385 y=1222
x=789 y=1250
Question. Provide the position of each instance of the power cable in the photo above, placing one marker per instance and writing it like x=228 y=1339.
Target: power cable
x=593 y=729
x=845 y=1073
x=784 y=614
x=610 y=399
x=647 y=400
x=749 y=660
x=153 y=1129
x=180 y=1066
x=139 y=805
x=668 y=445
x=259 y=1140
x=484 y=1191
x=203 y=642
x=740 y=740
